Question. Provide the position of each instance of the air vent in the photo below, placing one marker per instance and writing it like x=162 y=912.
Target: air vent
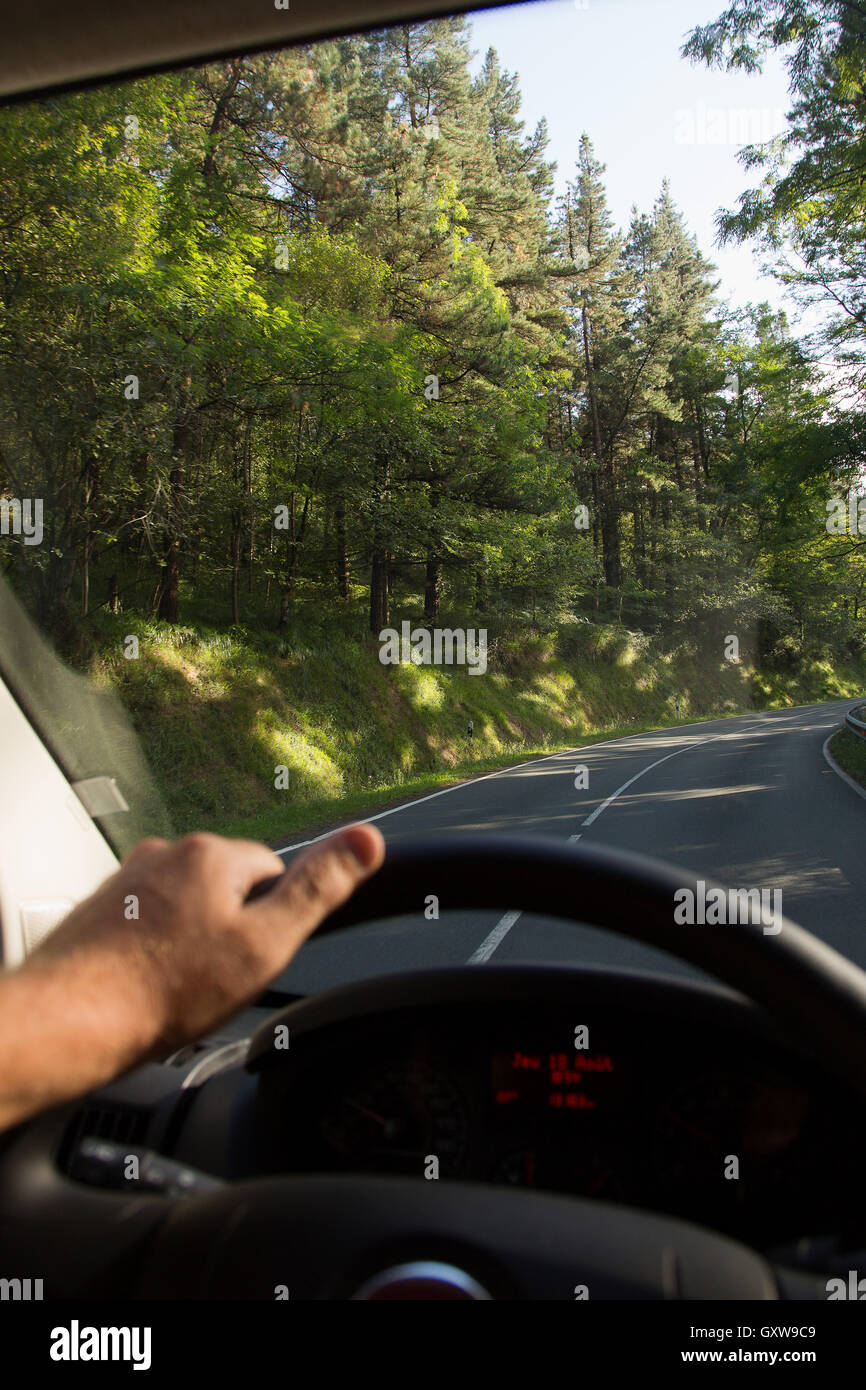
x=122 y=1123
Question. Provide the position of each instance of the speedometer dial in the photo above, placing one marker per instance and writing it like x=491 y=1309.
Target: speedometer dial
x=398 y=1121
x=718 y=1117
x=699 y=1127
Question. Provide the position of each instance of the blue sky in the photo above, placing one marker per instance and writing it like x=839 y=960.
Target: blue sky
x=612 y=68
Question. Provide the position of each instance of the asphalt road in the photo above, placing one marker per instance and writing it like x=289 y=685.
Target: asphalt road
x=749 y=802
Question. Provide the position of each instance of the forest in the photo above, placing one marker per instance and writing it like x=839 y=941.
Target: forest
x=304 y=338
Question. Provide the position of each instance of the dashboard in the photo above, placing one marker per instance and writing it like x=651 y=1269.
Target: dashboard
x=661 y=1137
x=695 y=1110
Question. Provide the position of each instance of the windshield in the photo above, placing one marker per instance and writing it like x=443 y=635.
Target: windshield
x=457 y=425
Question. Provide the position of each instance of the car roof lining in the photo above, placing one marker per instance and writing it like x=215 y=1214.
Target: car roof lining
x=57 y=45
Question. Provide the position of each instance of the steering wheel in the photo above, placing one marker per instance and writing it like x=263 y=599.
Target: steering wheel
x=373 y=1237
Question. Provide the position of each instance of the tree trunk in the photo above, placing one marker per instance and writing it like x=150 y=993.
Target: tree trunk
x=379 y=606
x=294 y=538
x=609 y=520
x=283 y=620
x=342 y=561
x=236 y=564
x=610 y=540
x=639 y=545
x=667 y=517
x=432 y=589
x=91 y=489
x=596 y=536
x=85 y=575
x=482 y=601
x=233 y=74
x=590 y=386
x=379 y=598
x=168 y=603
x=248 y=492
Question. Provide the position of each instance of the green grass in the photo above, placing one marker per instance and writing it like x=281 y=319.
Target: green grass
x=218 y=712
x=850 y=753
x=314 y=815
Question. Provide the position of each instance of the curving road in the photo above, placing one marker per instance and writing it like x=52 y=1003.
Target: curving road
x=750 y=802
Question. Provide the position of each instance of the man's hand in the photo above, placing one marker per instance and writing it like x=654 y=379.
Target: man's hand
x=164 y=951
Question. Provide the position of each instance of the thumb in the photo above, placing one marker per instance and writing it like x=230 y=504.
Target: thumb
x=319 y=881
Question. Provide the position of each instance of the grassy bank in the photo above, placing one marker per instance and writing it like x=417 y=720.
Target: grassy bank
x=850 y=753
x=218 y=712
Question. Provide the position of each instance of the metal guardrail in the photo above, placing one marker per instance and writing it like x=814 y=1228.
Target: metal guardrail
x=855 y=724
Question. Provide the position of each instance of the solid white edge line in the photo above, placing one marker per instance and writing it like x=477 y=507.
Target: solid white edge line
x=470 y=782
x=563 y=753
x=498 y=935
x=504 y=925
x=840 y=771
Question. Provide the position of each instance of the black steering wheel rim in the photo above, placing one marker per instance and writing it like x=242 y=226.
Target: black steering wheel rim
x=247 y=1233
x=804 y=984
x=339 y=1231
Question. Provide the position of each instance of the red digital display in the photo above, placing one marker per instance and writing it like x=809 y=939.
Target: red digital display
x=556 y=1079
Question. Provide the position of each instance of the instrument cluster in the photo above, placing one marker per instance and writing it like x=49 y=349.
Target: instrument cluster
x=615 y=1106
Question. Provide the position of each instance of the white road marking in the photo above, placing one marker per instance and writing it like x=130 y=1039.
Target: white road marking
x=831 y=762
x=563 y=753
x=504 y=925
x=613 y=796
x=470 y=782
x=489 y=944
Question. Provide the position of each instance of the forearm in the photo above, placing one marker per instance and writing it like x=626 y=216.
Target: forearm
x=66 y=1026
x=102 y=995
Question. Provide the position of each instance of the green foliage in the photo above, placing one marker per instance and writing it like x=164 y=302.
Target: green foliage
x=849 y=750
x=218 y=712
x=301 y=333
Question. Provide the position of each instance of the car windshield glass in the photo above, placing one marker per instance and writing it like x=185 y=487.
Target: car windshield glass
x=457 y=425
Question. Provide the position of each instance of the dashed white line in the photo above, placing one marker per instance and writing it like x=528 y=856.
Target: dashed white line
x=701 y=742
x=489 y=944
x=458 y=786
x=500 y=771
x=604 y=805
x=504 y=925
x=563 y=753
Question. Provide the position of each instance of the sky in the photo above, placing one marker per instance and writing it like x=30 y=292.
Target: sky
x=612 y=68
